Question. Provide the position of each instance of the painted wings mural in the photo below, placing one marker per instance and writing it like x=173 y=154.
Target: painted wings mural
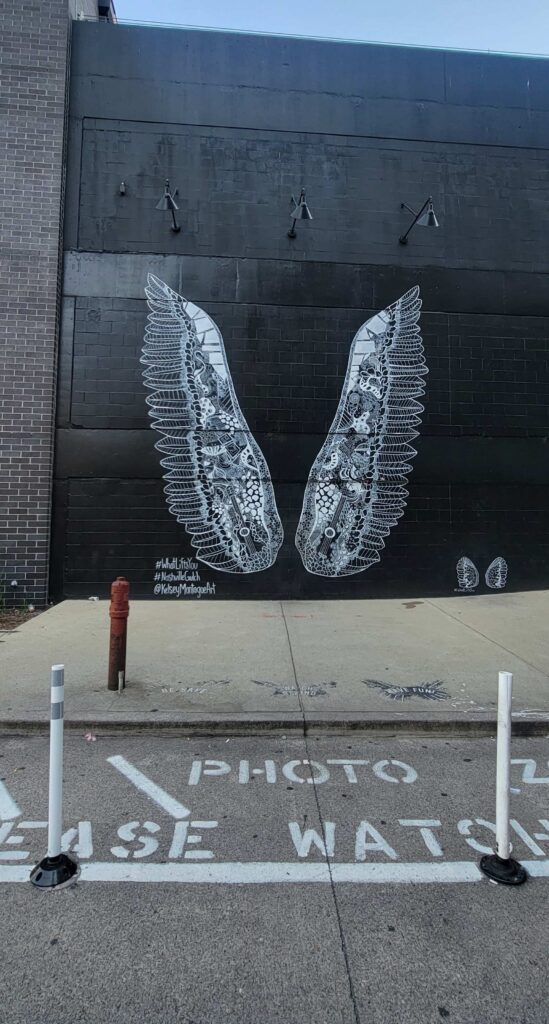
x=356 y=490
x=217 y=482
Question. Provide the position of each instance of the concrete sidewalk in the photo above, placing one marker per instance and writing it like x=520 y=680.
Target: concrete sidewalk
x=259 y=664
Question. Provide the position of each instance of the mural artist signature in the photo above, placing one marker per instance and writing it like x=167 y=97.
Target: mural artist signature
x=202 y=687
x=279 y=690
x=290 y=691
x=426 y=691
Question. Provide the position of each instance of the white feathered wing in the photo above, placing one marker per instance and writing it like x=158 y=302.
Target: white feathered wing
x=356 y=490
x=217 y=481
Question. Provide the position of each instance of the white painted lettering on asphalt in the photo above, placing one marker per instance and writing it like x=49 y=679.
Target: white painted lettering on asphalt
x=10 y=840
x=464 y=828
x=529 y=772
x=176 y=851
x=83 y=847
x=210 y=768
x=245 y=773
x=303 y=841
x=378 y=844
x=17 y=838
x=527 y=839
x=348 y=765
x=319 y=772
x=129 y=833
x=144 y=839
x=182 y=837
x=426 y=826
x=380 y=769
x=82 y=833
x=543 y=836
x=299 y=771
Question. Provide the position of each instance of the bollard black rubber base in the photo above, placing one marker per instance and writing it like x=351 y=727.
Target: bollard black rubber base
x=52 y=871
x=507 y=872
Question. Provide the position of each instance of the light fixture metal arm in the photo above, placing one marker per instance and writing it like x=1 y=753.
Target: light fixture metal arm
x=404 y=206
x=292 y=233
x=175 y=226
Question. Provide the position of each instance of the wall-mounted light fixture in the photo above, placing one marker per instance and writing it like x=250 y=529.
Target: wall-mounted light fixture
x=168 y=203
x=122 y=188
x=300 y=212
x=425 y=218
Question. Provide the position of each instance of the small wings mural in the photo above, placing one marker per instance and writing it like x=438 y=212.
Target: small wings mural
x=467 y=575
x=217 y=481
x=496 y=574
x=356 y=491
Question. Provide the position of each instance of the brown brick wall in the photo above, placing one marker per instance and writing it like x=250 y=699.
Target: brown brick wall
x=34 y=52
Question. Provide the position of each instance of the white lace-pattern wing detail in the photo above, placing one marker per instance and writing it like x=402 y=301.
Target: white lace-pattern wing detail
x=357 y=486
x=467 y=574
x=217 y=481
x=496 y=574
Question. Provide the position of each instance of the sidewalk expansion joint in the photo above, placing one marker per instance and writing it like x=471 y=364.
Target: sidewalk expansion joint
x=478 y=632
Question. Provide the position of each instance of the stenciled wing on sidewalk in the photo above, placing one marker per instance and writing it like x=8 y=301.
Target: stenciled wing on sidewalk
x=218 y=484
x=357 y=486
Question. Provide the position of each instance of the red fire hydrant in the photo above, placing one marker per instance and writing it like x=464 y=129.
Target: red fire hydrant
x=118 y=611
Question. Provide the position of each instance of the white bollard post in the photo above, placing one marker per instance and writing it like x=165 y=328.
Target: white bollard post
x=500 y=866
x=55 y=808
x=503 y=763
x=55 y=867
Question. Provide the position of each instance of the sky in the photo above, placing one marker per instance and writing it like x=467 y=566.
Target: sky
x=500 y=25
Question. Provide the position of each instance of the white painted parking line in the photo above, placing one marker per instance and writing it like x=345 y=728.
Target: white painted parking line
x=14 y=873
x=269 y=872
x=537 y=868
x=154 y=792
x=235 y=873
x=8 y=808
x=275 y=873
x=451 y=871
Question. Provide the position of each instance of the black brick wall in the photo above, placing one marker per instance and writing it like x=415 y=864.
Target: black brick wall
x=33 y=69
x=488 y=375
x=235 y=186
x=238 y=123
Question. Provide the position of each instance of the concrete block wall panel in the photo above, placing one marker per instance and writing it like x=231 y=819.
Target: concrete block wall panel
x=481 y=467
x=488 y=376
x=235 y=188
x=33 y=71
x=283 y=84
x=238 y=123
x=121 y=526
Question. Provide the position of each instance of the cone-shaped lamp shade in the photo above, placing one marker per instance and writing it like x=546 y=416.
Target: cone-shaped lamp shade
x=428 y=219
x=167 y=202
x=301 y=211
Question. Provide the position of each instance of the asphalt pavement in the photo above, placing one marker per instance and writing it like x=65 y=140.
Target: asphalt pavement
x=331 y=879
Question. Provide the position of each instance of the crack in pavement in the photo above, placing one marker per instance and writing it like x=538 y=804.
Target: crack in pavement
x=342 y=940
x=485 y=637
